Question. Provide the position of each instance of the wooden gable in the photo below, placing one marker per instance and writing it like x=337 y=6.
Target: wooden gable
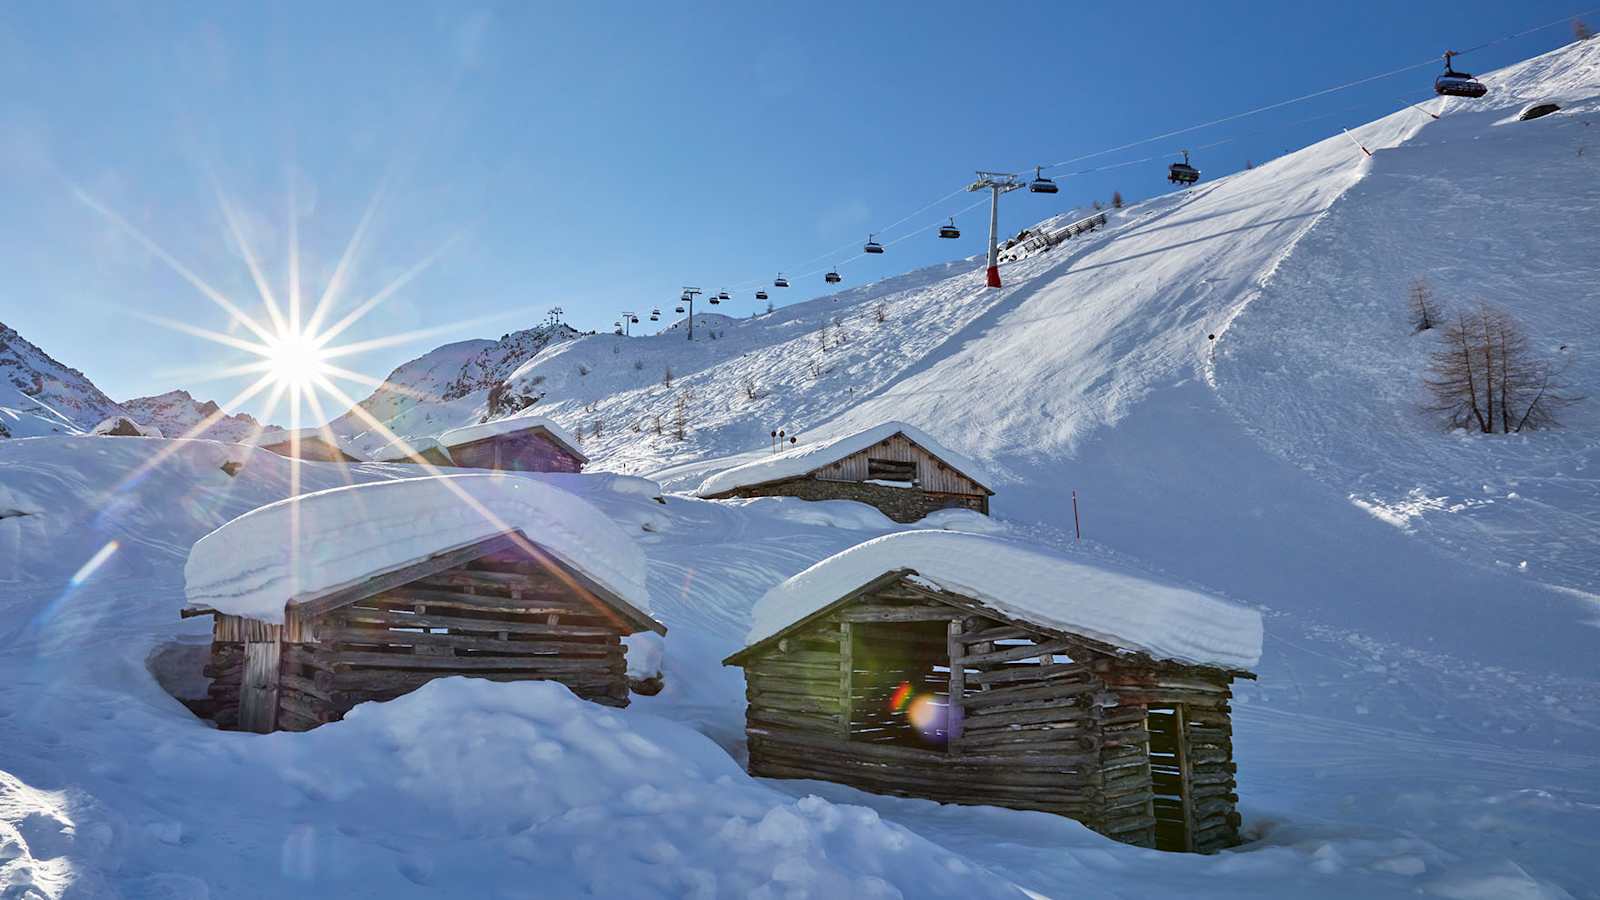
x=893 y=457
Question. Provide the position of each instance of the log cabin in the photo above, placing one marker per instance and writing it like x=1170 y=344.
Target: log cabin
x=506 y=606
x=420 y=451
x=312 y=444
x=893 y=466
x=972 y=670
x=515 y=444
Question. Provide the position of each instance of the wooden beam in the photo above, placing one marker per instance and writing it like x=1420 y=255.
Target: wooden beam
x=312 y=605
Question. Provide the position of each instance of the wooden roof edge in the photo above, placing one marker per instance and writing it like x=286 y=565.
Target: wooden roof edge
x=914 y=441
x=568 y=448
x=737 y=658
x=317 y=604
x=962 y=601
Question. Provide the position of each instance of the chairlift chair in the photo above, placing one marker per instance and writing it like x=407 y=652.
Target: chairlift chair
x=617 y=326
x=1041 y=184
x=872 y=246
x=780 y=281
x=655 y=315
x=832 y=277
x=722 y=295
x=949 y=231
x=715 y=299
x=761 y=295
x=633 y=319
x=1451 y=83
x=678 y=308
x=1183 y=173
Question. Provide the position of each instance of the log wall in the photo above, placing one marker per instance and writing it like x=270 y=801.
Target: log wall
x=503 y=621
x=519 y=451
x=1033 y=719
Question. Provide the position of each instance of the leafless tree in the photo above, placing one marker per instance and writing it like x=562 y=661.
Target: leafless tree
x=680 y=417
x=666 y=377
x=1580 y=30
x=582 y=369
x=822 y=336
x=1097 y=206
x=1116 y=199
x=1485 y=377
x=1424 y=310
x=751 y=389
x=656 y=424
x=881 y=312
x=596 y=429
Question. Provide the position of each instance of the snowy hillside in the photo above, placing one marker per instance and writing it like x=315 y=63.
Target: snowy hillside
x=1223 y=377
x=177 y=413
x=457 y=384
x=41 y=396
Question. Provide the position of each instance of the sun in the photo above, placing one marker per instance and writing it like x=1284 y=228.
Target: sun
x=295 y=358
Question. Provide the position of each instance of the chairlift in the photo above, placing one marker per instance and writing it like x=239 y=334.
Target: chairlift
x=1183 y=173
x=872 y=246
x=1451 y=83
x=832 y=277
x=715 y=299
x=780 y=281
x=1041 y=184
x=949 y=231
x=678 y=308
x=633 y=319
x=655 y=314
x=722 y=295
x=617 y=326
x=761 y=295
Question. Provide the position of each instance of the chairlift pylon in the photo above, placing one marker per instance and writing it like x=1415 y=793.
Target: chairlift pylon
x=872 y=245
x=1041 y=184
x=1183 y=173
x=1451 y=83
x=950 y=230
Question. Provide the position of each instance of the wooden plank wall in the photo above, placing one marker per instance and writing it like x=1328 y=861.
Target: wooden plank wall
x=1026 y=724
x=932 y=475
x=520 y=451
x=501 y=620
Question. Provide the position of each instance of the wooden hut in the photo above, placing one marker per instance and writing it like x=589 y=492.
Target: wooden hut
x=415 y=450
x=313 y=444
x=515 y=444
x=504 y=607
x=895 y=467
x=968 y=669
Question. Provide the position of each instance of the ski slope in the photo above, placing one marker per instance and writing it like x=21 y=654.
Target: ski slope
x=1427 y=707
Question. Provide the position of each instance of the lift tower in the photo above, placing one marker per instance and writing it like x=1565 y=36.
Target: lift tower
x=997 y=183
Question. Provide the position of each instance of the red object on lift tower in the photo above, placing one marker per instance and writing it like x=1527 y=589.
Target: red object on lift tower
x=994 y=276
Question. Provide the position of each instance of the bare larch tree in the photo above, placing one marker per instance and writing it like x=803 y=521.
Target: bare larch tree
x=1424 y=312
x=1485 y=377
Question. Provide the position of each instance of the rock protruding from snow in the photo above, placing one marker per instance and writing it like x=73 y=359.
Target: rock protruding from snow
x=177 y=413
x=124 y=426
x=797 y=462
x=1114 y=605
x=466 y=434
x=335 y=538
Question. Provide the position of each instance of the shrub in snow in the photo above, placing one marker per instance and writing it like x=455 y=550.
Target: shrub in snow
x=1423 y=315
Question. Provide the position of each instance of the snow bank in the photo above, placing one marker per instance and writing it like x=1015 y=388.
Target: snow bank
x=797 y=462
x=1118 y=607
x=330 y=539
x=828 y=513
x=466 y=434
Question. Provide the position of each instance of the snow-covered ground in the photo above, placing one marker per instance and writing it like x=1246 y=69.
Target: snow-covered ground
x=1427 y=707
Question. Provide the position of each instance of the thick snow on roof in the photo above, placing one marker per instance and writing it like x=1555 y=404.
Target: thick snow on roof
x=314 y=432
x=1115 y=606
x=252 y=565
x=466 y=434
x=799 y=461
x=404 y=449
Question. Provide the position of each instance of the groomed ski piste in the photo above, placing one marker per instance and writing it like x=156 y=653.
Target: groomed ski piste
x=1428 y=700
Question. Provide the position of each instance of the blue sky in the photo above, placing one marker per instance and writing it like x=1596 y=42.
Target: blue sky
x=598 y=156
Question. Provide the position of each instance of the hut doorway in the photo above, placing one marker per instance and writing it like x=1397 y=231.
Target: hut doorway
x=900 y=684
x=1169 y=776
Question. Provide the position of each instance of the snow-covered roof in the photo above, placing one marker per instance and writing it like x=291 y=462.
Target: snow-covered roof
x=797 y=462
x=328 y=540
x=466 y=434
x=1116 y=606
x=116 y=423
x=315 y=432
x=404 y=449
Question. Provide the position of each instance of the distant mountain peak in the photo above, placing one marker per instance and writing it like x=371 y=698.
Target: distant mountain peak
x=39 y=395
x=176 y=413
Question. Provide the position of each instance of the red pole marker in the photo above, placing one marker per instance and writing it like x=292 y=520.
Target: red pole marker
x=994 y=276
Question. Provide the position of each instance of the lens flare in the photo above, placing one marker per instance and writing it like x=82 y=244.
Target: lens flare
x=86 y=570
x=901 y=696
x=927 y=714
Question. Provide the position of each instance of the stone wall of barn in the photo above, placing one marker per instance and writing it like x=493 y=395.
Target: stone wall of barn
x=899 y=504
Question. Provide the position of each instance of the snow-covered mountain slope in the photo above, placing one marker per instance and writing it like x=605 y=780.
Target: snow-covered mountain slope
x=457 y=384
x=177 y=414
x=41 y=396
